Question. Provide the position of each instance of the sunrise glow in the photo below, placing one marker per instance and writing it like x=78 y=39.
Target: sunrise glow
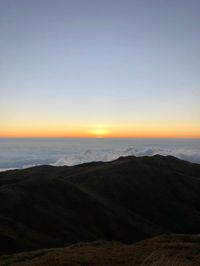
x=103 y=131
x=130 y=71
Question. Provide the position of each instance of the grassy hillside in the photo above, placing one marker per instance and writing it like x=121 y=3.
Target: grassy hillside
x=165 y=250
x=126 y=200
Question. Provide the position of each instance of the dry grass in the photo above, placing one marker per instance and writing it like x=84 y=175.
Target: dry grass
x=166 y=250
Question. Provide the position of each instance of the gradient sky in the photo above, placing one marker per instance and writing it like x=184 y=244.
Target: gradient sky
x=115 y=68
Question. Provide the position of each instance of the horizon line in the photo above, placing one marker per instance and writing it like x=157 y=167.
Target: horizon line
x=70 y=137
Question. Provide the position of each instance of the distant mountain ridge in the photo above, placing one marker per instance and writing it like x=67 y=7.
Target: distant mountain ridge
x=127 y=200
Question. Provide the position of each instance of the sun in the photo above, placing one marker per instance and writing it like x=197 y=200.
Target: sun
x=99 y=131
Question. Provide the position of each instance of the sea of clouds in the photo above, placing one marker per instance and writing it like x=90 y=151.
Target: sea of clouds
x=95 y=155
x=90 y=155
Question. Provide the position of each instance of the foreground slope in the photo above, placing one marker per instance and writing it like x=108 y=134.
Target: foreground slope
x=165 y=250
x=126 y=200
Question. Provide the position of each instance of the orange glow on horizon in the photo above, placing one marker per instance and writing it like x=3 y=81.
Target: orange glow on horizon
x=48 y=135
x=96 y=132
x=64 y=130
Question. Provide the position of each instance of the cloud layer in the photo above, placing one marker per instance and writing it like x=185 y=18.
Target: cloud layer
x=90 y=155
x=94 y=155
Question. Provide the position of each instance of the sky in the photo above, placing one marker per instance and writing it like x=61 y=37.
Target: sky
x=100 y=68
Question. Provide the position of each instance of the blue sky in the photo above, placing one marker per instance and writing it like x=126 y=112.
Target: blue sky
x=125 y=65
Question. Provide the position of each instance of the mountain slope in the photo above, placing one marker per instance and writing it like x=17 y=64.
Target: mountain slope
x=164 y=250
x=126 y=200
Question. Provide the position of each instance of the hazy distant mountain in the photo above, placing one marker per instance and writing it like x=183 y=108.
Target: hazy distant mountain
x=125 y=200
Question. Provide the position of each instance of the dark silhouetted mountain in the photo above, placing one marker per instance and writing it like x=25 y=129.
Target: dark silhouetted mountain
x=125 y=200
